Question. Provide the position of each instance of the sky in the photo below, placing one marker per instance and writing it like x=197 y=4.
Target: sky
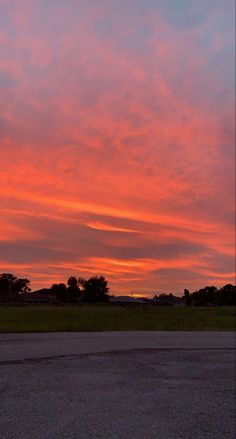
x=117 y=142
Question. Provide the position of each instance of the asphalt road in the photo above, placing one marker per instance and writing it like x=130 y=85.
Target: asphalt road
x=117 y=385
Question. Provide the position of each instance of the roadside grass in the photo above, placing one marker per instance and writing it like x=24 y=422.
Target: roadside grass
x=43 y=318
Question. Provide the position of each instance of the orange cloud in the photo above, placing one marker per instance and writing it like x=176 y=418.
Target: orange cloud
x=97 y=225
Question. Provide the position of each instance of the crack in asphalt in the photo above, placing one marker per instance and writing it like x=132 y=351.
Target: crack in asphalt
x=37 y=360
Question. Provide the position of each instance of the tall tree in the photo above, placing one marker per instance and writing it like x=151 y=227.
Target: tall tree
x=10 y=284
x=72 y=282
x=59 y=290
x=187 y=298
x=96 y=290
x=227 y=295
x=73 y=291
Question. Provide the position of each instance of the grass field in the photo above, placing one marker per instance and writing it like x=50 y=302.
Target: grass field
x=114 y=318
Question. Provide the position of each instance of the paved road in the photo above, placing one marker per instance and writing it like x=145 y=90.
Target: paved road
x=117 y=385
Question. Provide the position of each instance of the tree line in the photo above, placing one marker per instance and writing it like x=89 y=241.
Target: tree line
x=207 y=296
x=95 y=289
x=225 y=296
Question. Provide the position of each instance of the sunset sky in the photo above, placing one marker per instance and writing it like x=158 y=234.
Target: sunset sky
x=117 y=142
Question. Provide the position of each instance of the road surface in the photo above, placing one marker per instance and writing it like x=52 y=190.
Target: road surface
x=117 y=385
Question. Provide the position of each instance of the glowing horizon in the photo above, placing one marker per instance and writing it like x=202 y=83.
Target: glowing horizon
x=117 y=142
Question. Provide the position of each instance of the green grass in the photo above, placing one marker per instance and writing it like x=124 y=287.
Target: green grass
x=115 y=318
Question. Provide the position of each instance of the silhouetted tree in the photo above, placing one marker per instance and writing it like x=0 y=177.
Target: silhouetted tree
x=21 y=286
x=6 y=282
x=59 y=290
x=96 y=290
x=227 y=295
x=73 y=290
x=72 y=282
x=205 y=296
x=187 y=298
x=10 y=284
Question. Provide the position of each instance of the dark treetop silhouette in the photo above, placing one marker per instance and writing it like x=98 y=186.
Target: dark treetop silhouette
x=11 y=285
x=92 y=290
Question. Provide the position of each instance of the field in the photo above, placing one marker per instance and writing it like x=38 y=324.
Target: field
x=115 y=318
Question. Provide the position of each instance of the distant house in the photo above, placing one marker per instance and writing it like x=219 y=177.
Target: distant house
x=168 y=299
x=38 y=297
x=44 y=291
x=128 y=299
